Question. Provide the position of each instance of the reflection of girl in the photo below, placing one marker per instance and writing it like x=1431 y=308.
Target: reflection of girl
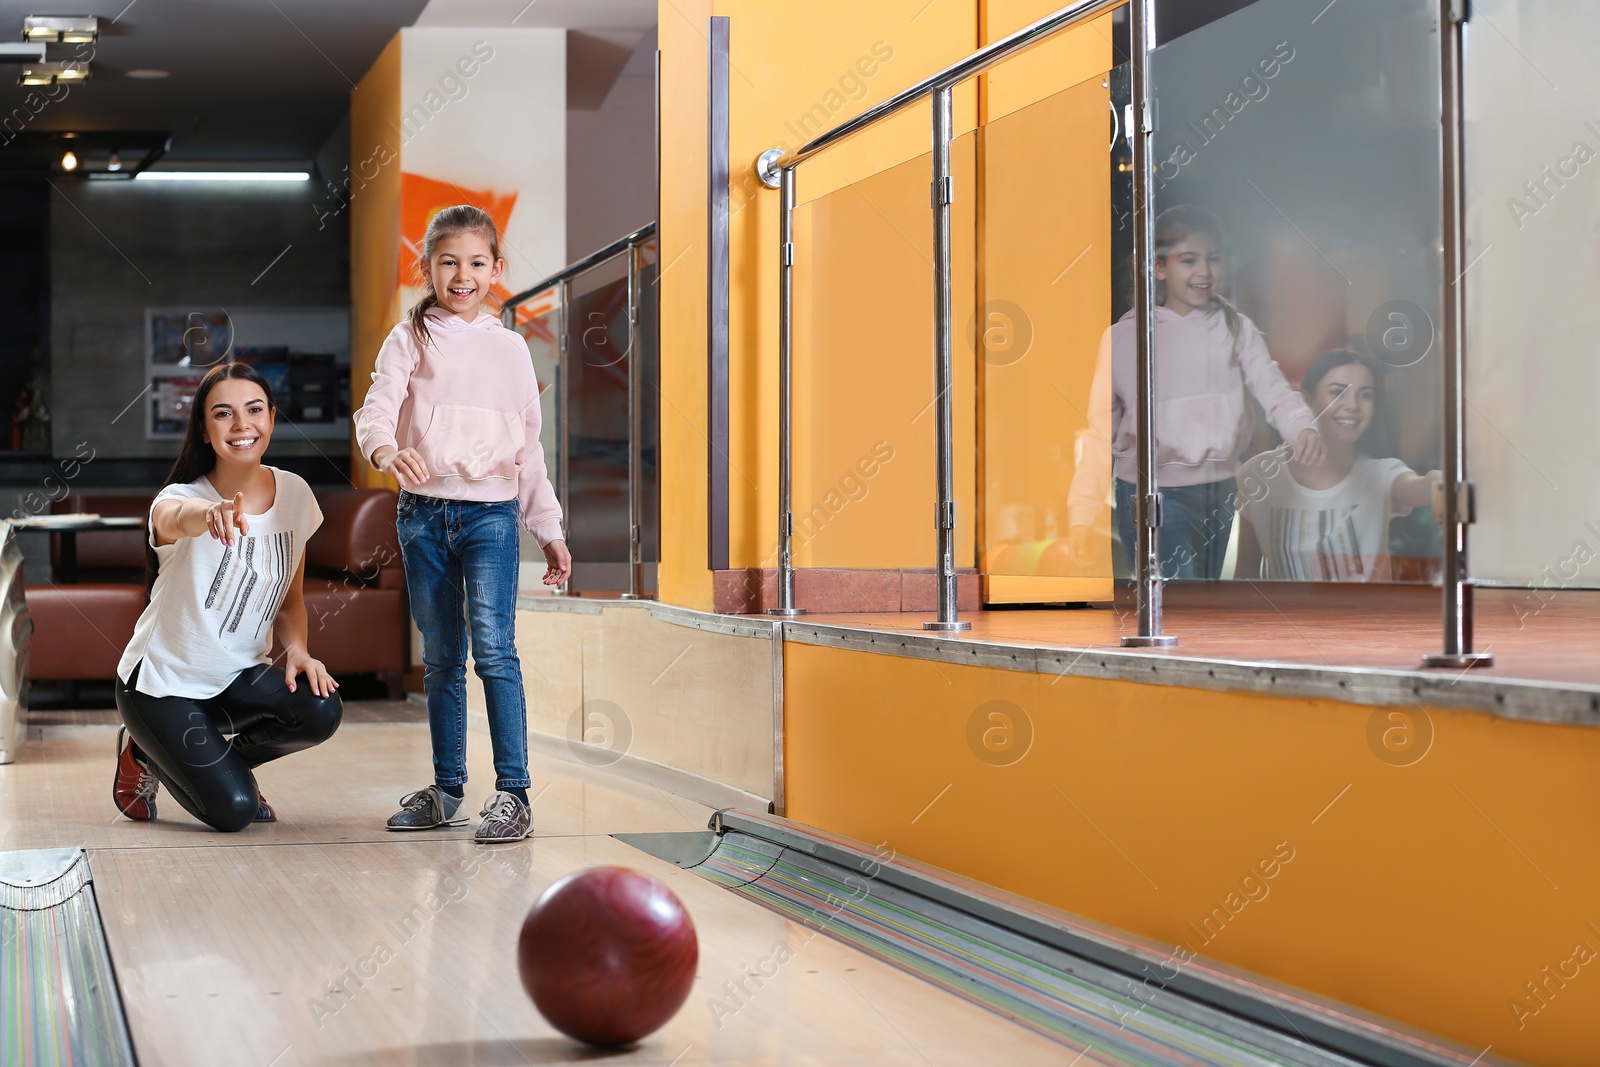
x=1328 y=523
x=1210 y=361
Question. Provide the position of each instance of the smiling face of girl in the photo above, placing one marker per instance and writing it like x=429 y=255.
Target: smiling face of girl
x=238 y=421
x=463 y=269
x=1344 y=402
x=1191 y=267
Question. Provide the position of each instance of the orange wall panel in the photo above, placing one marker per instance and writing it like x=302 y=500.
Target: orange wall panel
x=1429 y=893
x=374 y=232
x=684 y=576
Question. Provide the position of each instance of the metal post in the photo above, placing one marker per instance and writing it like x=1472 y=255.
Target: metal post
x=1457 y=512
x=786 y=607
x=563 y=386
x=635 y=422
x=1147 y=504
x=945 y=511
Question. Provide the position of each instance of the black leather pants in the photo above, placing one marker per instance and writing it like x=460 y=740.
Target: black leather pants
x=185 y=741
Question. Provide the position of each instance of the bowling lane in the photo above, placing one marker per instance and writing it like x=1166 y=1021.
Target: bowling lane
x=403 y=952
x=58 y=795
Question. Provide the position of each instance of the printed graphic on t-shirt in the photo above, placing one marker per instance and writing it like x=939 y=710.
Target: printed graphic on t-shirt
x=250 y=582
x=1326 y=541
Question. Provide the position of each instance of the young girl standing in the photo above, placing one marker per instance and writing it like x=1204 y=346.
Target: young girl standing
x=453 y=415
x=1208 y=357
x=1329 y=523
x=227 y=567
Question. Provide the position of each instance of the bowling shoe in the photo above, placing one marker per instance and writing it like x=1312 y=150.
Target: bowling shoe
x=505 y=818
x=133 y=789
x=427 y=808
x=264 y=812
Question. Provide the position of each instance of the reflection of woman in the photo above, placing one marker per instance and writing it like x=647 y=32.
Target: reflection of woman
x=1328 y=523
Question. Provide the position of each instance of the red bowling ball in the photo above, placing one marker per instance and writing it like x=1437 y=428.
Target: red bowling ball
x=608 y=955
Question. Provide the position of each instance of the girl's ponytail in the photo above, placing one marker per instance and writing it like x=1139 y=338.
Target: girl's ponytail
x=463 y=218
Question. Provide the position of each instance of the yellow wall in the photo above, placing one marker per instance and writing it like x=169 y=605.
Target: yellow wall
x=374 y=234
x=1427 y=893
x=683 y=576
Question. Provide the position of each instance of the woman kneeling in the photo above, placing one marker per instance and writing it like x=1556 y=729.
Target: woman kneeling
x=226 y=559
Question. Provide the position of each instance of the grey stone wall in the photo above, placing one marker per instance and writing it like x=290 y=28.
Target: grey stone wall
x=117 y=248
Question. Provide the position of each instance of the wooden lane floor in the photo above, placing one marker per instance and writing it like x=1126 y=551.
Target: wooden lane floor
x=58 y=795
x=325 y=940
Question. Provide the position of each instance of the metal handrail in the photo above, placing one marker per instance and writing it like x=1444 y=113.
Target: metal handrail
x=587 y=263
x=561 y=282
x=776 y=169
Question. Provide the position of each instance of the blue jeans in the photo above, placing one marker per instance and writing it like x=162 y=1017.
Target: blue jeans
x=461 y=571
x=1195 y=523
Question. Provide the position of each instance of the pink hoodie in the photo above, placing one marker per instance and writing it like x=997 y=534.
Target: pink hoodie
x=469 y=404
x=1203 y=414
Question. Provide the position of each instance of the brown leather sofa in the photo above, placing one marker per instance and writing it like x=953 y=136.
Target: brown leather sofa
x=356 y=609
x=80 y=630
x=357 y=617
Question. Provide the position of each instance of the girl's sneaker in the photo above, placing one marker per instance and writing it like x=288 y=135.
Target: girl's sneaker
x=133 y=789
x=427 y=808
x=505 y=818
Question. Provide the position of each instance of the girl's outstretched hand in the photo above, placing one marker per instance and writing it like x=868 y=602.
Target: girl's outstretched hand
x=406 y=466
x=560 y=563
x=298 y=660
x=1308 y=448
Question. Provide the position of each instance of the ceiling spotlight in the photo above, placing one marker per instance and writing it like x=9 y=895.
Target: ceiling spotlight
x=61 y=29
x=69 y=161
x=50 y=73
x=116 y=161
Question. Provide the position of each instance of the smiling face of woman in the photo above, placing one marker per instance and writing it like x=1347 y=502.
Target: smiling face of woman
x=1344 y=402
x=238 y=421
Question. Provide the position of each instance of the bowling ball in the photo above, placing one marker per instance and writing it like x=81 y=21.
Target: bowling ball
x=608 y=955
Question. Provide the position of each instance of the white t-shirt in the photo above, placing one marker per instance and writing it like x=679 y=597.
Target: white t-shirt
x=211 y=612
x=1339 y=534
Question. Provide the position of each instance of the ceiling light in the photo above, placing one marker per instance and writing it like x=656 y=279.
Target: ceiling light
x=69 y=161
x=61 y=29
x=148 y=74
x=223 y=176
x=50 y=73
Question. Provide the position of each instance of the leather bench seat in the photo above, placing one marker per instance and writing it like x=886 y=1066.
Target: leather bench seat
x=79 y=631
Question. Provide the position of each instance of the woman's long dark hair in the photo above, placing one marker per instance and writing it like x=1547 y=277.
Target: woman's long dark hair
x=196 y=457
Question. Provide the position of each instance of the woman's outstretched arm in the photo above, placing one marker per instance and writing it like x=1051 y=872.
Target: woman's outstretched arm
x=1411 y=491
x=173 y=519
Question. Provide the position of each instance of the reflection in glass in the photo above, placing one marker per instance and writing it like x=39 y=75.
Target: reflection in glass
x=1297 y=273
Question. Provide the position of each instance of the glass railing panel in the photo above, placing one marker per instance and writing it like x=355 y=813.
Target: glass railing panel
x=1054 y=175
x=1298 y=369
x=864 y=414
x=1532 y=272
